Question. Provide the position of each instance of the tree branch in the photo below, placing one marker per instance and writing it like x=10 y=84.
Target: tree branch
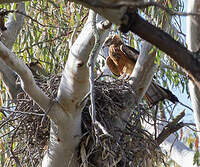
x=12 y=1
x=74 y=84
x=8 y=37
x=193 y=41
x=166 y=43
x=28 y=82
x=144 y=70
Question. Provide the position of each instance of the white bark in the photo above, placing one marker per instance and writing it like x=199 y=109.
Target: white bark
x=28 y=82
x=8 y=38
x=13 y=25
x=66 y=128
x=193 y=41
x=66 y=112
x=144 y=70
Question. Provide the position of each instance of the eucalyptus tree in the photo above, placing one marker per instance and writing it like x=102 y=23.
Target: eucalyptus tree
x=63 y=37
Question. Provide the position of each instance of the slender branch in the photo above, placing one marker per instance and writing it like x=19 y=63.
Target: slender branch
x=11 y=1
x=34 y=20
x=45 y=41
x=91 y=67
x=171 y=128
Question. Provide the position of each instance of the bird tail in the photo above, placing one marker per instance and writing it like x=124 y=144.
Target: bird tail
x=156 y=93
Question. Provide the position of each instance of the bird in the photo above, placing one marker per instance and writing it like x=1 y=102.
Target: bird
x=122 y=58
x=37 y=69
x=121 y=62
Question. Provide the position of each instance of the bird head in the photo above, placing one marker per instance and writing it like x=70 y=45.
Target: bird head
x=112 y=39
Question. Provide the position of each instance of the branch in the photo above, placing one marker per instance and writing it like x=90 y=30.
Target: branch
x=13 y=25
x=74 y=84
x=174 y=147
x=134 y=4
x=8 y=37
x=152 y=34
x=193 y=41
x=66 y=125
x=12 y=1
x=166 y=43
x=9 y=79
x=170 y=128
x=91 y=67
x=144 y=70
x=28 y=82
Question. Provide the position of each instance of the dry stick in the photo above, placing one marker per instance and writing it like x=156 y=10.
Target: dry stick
x=171 y=128
x=18 y=164
x=92 y=77
x=88 y=94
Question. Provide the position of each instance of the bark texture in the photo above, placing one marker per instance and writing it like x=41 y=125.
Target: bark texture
x=193 y=41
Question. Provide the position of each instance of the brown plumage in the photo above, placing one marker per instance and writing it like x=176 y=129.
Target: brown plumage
x=121 y=62
x=37 y=69
x=122 y=58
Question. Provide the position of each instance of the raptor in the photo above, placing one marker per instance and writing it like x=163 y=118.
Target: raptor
x=121 y=62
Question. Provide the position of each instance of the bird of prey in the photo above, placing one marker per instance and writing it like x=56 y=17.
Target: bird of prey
x=122 y=58
x=121 y=62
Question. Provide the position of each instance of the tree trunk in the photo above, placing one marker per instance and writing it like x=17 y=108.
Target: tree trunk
x=193 y=42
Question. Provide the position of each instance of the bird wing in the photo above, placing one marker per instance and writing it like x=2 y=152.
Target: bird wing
x=130 y=52
x=112 y=66
x=156 y=93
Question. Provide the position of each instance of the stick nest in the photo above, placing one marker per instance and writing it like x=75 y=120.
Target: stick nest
x=114 y=141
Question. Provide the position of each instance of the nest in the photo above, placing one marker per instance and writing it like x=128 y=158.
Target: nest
x=113 y=142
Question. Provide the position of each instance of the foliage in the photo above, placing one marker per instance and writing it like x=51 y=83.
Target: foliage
x=50 y=29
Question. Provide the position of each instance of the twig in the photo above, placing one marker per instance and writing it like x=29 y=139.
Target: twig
x=170 y=128
x=74 y=33
x=91 y=67
x=34 y=20
x=186 y=106
x=88 y=94
x=45 y=41
x=18 y=164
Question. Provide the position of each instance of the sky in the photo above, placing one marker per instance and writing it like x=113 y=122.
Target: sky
x=183 y=96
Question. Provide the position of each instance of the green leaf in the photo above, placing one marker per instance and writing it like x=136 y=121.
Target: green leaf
x=61 y=9
x=170 y=4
